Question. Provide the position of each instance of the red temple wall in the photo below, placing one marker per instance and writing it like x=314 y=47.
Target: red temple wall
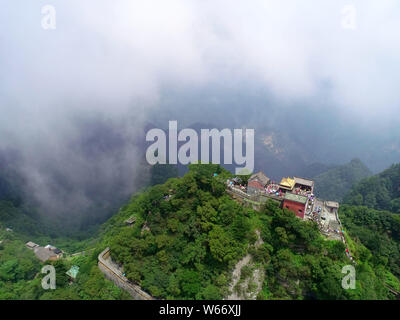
x=296 y=207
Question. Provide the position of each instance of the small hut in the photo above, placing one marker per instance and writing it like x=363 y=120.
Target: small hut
x=31 y=245
x=130 y=221
x=73 y=272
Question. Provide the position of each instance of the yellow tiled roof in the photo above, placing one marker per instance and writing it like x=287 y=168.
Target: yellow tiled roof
x=288 y=182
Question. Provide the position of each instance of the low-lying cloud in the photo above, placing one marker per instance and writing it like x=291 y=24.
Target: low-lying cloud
x=75 y=100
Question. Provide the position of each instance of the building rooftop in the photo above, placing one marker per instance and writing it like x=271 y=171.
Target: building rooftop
x=261 y=177
x=296 y=198
x=131 y=220
x=287 y=183
x=73 y=272
x=304 y=182
x=332 y=204
x=57 y=251
x=255 y=184
x=31 y=244
x=44 y=254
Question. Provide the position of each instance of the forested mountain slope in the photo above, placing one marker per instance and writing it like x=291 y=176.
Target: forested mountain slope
x=335 y=183
x=379 y=231
x=371 y=215
x=381 y=191
x=189 y=236
x=20 y=275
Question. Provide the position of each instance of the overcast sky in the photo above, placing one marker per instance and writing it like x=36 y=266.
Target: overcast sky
x=115 y=52
x=121 y=61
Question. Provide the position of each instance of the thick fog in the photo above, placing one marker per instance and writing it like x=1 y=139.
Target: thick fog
x=316 y=79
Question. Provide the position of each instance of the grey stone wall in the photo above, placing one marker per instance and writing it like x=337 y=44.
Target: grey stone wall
x=112 y=273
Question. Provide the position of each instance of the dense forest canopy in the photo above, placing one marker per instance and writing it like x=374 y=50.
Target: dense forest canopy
x=379 y=231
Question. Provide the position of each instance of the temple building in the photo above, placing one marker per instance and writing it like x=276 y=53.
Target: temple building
x=295 y=203
x=287 y=184
x=257 y=183
x=304 y=184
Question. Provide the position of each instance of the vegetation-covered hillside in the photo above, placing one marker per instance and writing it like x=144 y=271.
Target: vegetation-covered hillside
x=20 y=269
x=379 y=231
x=20 y=274
x=335 y=183
x=371 y=215
x=189 y=236
x=381 y=192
